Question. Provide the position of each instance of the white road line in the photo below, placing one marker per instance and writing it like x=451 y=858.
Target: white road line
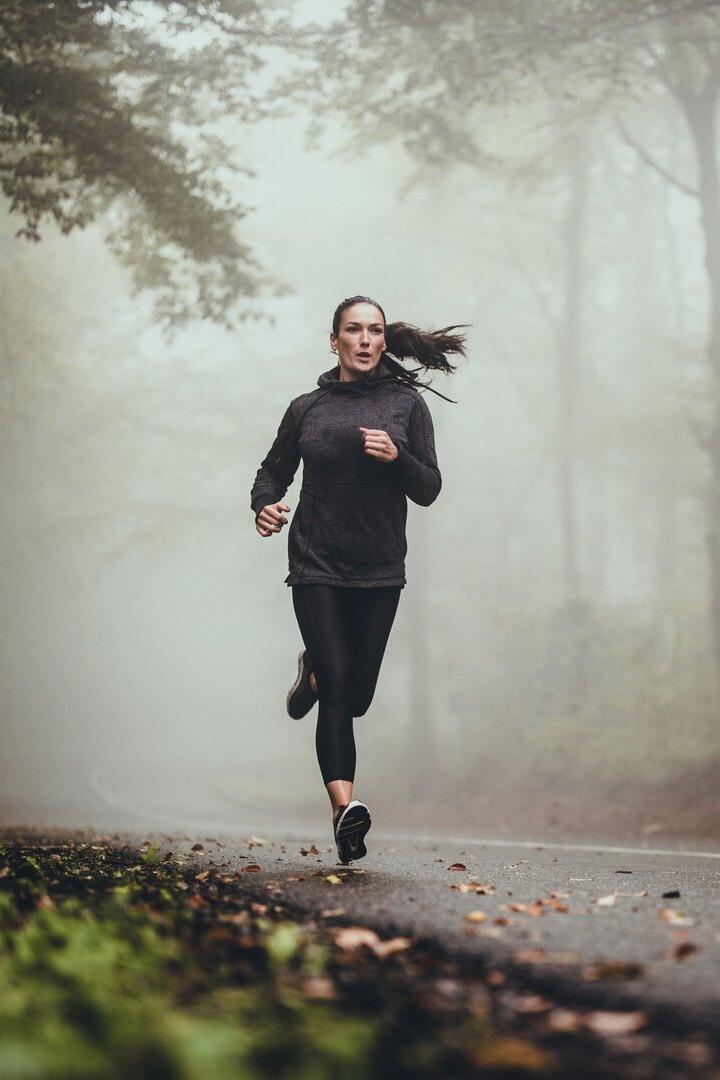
x=554 y=845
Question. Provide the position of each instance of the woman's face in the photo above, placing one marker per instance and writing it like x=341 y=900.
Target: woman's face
x=360 y=341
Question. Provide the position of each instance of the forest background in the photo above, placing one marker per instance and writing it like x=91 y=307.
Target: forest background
x=188 y=190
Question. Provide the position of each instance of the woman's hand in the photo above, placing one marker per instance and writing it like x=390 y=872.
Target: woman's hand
x=378 y=444
x=270 y=519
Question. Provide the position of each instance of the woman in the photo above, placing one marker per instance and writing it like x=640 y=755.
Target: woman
x=366 y=440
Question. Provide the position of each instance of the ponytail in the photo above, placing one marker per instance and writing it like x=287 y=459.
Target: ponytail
x=403 y=341
x=428 y=347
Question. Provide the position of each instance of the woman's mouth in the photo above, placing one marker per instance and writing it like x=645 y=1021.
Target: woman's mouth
x=363 y=355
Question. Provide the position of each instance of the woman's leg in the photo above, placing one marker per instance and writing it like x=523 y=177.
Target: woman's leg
x=324 y=616
x=372 y=617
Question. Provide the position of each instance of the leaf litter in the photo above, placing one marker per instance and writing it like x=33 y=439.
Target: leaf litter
x=207 y=979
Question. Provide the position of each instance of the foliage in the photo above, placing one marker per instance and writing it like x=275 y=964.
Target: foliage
x=427 y=75
x=108 y=106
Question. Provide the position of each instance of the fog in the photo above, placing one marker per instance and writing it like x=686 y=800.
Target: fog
x=552 y=669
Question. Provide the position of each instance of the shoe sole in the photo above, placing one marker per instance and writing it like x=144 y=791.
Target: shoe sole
x=351 y=831
x=294 y=687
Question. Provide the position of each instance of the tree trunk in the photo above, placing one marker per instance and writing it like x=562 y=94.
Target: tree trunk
x=569 y=347
x=700 y=111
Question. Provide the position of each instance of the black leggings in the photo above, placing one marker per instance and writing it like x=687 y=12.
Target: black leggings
x=345 y=631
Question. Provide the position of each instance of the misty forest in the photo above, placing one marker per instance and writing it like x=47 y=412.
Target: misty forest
x=188 y=191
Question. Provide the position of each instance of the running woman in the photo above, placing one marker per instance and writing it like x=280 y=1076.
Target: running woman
x=365 y=437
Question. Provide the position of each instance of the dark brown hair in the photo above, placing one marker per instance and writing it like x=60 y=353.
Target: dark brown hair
x=403 y=341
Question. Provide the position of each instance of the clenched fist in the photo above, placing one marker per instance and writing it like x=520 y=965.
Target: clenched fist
x=378 y=444
x=270 y=519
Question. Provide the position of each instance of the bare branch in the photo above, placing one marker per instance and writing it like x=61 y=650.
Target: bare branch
x=648 y=160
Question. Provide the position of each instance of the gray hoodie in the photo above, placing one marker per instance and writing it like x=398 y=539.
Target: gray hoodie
x=349 y=524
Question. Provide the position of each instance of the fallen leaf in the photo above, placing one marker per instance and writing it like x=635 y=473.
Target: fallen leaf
x=675 y=918
x=482 y=888
x=240 y=918
x=526 y=1002
x=356 y=937
x=563 y=1020
x=457 y=866
x=537 y=907
x=507 y=1054
x=614 y=969
x=623 y=871
x=198 y=847
x=614 y=1023
x=202 y=876
x=450 y=988
x=255 y=841
x=476 y=916
x=320 y=988
x=495 y=978
x=353 y=937
x=252 y=868
x=330 y=912
x=671 y=894
x=392 y=945
x=680 y=951
x=332 y=879
x=312 y=850
x=541 y=956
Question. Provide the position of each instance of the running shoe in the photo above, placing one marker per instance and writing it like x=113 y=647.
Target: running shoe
x=351 y=824
x=301 y=697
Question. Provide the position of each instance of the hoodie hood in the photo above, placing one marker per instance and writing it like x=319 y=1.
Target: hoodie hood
x=382 y=375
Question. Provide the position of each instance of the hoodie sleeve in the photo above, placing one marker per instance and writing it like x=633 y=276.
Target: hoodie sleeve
x=417 y=467
x=278 y=468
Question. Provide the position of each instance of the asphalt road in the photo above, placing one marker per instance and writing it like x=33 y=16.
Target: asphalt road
x=591 y=926
x=601 y=907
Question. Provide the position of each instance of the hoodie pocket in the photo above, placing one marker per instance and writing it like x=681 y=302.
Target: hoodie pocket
x=355 y=532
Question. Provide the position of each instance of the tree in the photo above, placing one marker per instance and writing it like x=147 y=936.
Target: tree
x=107 y=109
x=425 y=73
